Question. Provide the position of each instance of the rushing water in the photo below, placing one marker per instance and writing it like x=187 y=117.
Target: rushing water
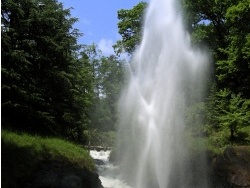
x=109 y=174
x=166 y=74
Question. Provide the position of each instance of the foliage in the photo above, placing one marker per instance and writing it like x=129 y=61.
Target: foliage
x=208 y=19
x=42 y=77
x=112 y=78
x=236 y=115
x=101 y=138
x=229 y=112
x=109 y=77
x=195 y=118
x=222 y=27
x=235 y=69
x=225 y=22
x=130 y=28
x=32 y=151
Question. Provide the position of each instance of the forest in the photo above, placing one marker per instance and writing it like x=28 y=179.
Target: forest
x=52 y=86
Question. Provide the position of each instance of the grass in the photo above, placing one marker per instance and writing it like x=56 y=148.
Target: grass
x=23 y=153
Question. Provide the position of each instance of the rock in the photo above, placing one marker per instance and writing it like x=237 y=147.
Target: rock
x=63 y=175
x=99 y=162
x=232 y=169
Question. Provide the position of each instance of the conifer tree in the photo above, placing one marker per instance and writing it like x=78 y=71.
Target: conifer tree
x=41 y=72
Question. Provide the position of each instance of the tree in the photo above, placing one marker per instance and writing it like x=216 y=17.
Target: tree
x=229 y=112
x=222 y=27
x=19 y=59
x=109 y=73
x=41 y=73
x=82 y=90
x=112 y=79
x=208 y=19
x=235 y=69
x=130 y=27
x=225 y=23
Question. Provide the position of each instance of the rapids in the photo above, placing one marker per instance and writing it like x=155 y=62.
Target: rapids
x=108 y=173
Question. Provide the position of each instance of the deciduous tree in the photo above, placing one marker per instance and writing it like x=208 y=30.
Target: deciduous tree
x=130 y=27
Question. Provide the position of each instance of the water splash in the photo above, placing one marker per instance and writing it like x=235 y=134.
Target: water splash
x=166 y=72
x=108 y=173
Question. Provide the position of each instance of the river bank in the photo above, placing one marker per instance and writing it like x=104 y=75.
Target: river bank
x=33 y=162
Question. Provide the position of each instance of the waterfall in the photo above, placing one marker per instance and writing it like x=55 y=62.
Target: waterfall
x=166 y=73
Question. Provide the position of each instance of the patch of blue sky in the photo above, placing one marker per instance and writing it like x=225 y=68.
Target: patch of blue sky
x=98 y=20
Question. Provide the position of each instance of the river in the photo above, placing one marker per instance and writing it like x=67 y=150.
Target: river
x=108 y=173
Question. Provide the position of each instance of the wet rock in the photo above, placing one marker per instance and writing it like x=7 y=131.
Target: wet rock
x=232 y=169
x=63 y=175
x=99 y=162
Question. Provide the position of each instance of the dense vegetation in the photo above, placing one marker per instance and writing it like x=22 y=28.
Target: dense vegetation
x=42 y=77
x=221 y=28
x=53 y=86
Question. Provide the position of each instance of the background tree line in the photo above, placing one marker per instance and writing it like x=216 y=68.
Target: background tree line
x=51 y=85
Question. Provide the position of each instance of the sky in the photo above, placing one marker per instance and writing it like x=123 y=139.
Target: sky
x=98 y=20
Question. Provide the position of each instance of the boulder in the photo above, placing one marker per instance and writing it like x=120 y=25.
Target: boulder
x=232 y=168
x=63 y=175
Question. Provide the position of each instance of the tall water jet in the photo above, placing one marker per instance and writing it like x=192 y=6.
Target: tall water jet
x=165 y=73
